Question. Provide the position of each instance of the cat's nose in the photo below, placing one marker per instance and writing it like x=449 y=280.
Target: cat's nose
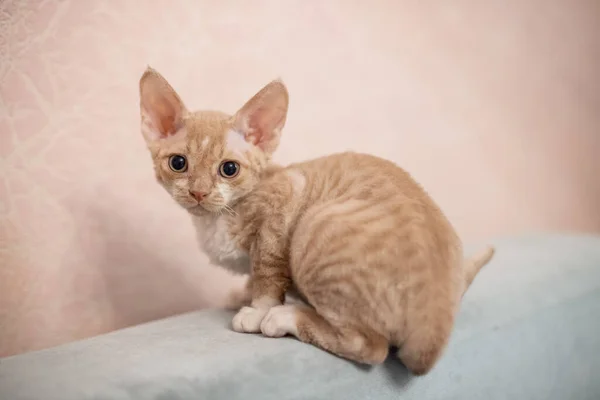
x=197 y=195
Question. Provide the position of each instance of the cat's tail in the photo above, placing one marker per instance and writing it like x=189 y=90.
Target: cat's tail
x=473 y=265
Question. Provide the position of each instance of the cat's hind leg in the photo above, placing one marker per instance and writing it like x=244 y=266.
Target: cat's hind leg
x=424 y=345
x=360 y=345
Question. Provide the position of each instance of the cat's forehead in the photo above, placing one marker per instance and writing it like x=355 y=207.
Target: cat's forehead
x=207 y=130
x=207 y=123
x=211 y=133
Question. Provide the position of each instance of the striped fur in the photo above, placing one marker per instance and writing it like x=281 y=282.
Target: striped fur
x=353 y=235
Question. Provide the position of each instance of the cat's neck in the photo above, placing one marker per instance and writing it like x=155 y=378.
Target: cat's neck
x=215 y=240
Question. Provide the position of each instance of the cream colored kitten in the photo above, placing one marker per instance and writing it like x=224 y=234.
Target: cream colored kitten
x=354 y=235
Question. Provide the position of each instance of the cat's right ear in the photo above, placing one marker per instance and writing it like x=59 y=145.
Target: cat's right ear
x=161 y=108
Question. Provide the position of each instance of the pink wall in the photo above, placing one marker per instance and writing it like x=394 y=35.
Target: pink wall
x=494 y=106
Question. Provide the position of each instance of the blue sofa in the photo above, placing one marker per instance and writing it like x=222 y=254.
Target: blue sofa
x=529 y=328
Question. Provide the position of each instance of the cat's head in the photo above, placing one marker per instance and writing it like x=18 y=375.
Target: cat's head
x=207 y=160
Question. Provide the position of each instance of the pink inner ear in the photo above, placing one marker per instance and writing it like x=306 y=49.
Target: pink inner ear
x=167 y=118
x=165 y=115
x=262 y=123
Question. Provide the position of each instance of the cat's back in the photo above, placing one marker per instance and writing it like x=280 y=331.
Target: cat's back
x=377 y=197
x=358 y=176
x=363 y=187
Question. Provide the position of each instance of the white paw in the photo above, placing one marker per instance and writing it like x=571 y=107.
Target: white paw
x=280 y=321
x=248 y=319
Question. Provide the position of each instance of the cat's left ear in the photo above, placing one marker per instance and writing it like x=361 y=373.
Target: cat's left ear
x=262 y=118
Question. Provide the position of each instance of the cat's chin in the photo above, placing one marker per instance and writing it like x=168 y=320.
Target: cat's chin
x=201 y=211
x=197 y=210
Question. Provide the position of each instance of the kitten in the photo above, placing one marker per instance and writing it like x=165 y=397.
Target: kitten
x=353 y=235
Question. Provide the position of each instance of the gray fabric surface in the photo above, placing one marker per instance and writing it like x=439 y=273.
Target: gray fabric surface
x=529 y=329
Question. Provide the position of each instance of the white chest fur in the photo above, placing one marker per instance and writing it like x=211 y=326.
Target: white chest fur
x=216 y=241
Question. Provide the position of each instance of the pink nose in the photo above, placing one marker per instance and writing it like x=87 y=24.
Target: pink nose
x=197 y=195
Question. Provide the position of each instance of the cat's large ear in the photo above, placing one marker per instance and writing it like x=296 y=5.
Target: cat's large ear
x=161 y=108
x=262 y=118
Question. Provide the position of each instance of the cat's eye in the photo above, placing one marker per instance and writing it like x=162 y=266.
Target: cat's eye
x=229 y=169
x=178 y=163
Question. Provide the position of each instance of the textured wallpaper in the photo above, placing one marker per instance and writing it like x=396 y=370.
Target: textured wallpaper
x=493 y=106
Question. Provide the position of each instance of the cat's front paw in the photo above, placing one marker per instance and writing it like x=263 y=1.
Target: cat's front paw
x=280 y=321
x=248 y=319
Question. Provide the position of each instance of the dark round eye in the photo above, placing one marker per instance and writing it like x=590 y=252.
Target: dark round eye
x=178 y=163
x=229 y=169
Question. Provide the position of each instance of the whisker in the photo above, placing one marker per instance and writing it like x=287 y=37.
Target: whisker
x=231 y=211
